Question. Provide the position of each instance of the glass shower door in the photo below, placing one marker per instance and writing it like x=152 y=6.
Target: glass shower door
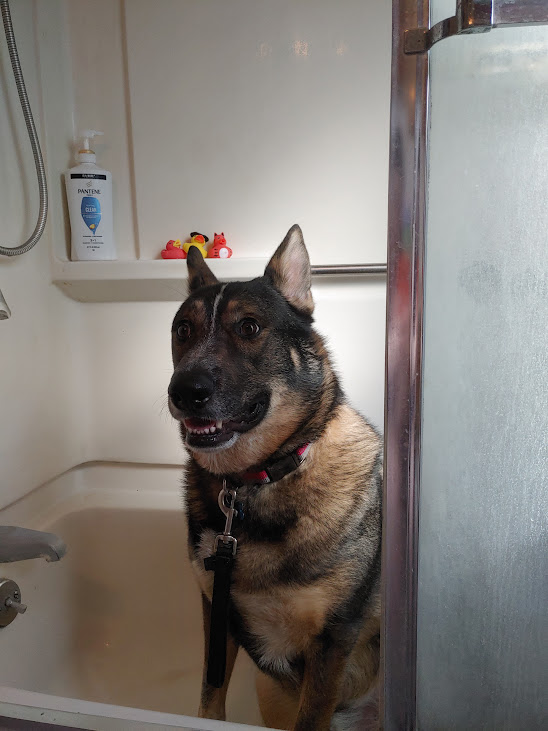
x=482 y=644
x=472 y=496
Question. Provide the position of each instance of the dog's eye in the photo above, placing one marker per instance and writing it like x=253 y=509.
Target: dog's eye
x=183 y=331
x=248 y=328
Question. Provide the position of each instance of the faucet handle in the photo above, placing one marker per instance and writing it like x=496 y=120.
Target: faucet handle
x=10 y=602
x=19 y=608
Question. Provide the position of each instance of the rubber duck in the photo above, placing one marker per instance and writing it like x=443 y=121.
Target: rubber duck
x=199 y=241
x=173 y=250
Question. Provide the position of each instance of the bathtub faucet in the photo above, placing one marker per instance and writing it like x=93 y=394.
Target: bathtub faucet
x=20 y=544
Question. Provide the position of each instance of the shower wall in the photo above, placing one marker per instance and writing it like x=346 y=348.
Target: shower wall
x=240 y=116
x=42 y=429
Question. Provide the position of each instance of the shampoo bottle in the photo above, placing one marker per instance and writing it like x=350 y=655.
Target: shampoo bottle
x=89 y=195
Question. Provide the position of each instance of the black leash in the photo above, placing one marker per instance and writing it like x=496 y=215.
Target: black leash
x=222 y=564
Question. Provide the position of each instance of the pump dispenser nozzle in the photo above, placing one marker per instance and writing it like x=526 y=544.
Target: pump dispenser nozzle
x=85 y=153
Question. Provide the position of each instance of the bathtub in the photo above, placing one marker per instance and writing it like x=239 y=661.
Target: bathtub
x=118 y=620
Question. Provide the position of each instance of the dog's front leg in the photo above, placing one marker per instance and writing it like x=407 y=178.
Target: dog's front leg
x=212 y=702
x=324 y=666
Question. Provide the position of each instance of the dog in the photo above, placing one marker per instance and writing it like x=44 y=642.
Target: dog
x=263 y=416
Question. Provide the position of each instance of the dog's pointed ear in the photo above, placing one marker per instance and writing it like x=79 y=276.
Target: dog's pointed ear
x=289 y=271
x=199 y=274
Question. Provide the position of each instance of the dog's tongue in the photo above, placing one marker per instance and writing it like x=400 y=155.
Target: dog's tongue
x=195 y=423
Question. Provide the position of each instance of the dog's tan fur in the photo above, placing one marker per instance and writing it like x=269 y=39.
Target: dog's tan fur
x=315 y=633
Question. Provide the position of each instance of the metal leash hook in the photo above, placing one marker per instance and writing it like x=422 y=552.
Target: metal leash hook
x=226 y=495
x=221 y=563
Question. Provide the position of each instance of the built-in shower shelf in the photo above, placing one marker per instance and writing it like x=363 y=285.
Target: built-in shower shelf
x=154 y=280
x=159 y=280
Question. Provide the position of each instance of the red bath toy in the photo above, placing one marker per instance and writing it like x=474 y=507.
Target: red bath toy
x=219 y=250
x=172 y=251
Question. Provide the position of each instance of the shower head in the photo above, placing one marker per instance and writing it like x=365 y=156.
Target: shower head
x=5 y=311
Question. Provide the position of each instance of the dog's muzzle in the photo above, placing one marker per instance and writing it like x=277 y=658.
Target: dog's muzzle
x=206 y=426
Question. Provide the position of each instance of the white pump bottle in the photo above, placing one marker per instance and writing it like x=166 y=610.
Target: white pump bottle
x=89 y=195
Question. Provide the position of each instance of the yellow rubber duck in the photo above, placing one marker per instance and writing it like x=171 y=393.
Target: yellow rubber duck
x=199 y=241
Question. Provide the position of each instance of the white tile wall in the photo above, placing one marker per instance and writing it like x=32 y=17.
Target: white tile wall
x=241 y=115
x=250 y=115
x=43 y=404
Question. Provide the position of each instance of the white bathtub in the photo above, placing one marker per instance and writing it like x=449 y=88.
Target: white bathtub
x=118 y=620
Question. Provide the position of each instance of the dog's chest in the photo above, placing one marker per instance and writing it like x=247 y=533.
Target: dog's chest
x=280 y=620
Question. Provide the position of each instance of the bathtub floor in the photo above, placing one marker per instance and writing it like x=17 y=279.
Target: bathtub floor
x=118 y=620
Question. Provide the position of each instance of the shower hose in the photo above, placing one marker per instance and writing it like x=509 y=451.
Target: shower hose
x=35 y=144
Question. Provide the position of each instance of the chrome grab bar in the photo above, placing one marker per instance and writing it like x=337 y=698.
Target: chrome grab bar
x=348 y=269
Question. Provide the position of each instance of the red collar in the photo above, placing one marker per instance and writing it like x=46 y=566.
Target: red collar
x=277 y=469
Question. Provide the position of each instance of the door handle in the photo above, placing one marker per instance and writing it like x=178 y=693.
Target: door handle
x=476 y=16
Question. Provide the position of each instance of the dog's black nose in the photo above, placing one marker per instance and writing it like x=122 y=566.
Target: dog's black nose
x=191 y=390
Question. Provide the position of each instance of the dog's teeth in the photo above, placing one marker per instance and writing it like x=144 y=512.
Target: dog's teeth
x=205 y=430
x=219 y=424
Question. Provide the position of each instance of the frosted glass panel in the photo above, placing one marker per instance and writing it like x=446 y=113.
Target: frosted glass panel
x=483 y=588
x=440 y=9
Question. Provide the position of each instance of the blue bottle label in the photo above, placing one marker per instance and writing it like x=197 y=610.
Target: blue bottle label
x=91 y=212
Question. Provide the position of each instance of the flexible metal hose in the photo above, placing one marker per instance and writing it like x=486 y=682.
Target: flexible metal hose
x=35 y=144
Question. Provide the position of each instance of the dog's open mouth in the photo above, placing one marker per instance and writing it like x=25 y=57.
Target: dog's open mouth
x=204 y=433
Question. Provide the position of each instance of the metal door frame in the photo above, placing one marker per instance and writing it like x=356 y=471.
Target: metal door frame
x=406 y=223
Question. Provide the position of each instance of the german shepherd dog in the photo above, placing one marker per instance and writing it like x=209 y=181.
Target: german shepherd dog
x=261 y=408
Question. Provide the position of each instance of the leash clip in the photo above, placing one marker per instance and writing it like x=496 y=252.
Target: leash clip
x=221 y=563
x=227 y=496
